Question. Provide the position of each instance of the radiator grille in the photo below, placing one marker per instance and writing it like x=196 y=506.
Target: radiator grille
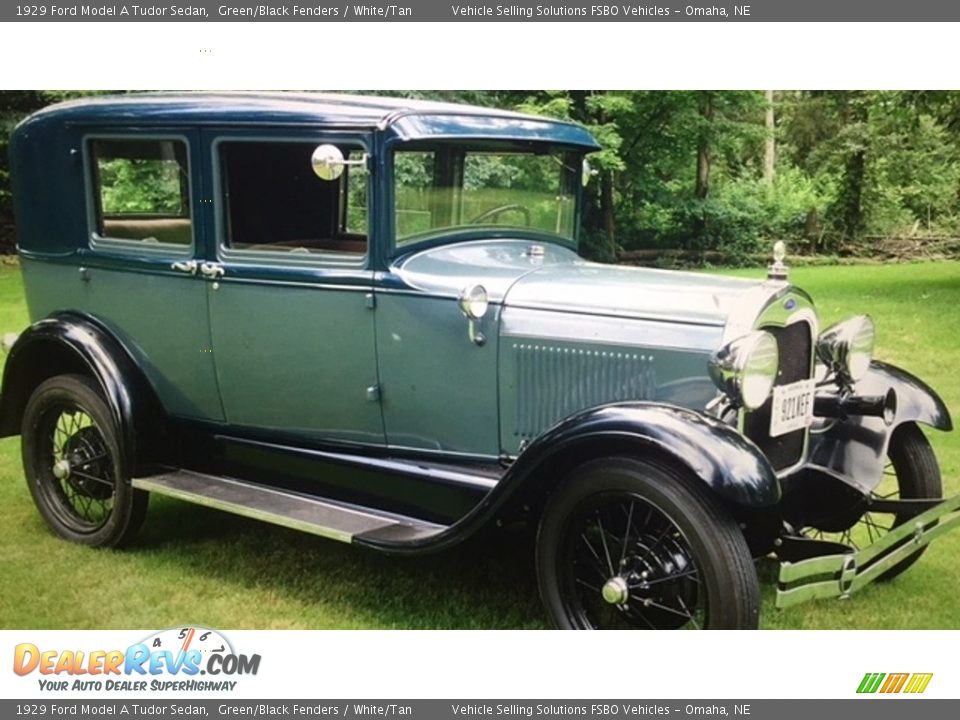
x=554 y=382
x=795 y=343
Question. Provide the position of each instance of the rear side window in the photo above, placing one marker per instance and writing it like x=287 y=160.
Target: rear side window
x=142 y=191
x=273 y=202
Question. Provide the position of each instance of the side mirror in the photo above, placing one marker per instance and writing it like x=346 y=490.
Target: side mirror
x=328 y=162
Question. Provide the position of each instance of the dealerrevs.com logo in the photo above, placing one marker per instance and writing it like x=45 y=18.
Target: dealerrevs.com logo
x=179 y=659
x=887 y=683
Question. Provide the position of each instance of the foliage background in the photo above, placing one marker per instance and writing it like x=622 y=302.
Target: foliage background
x=717 y=175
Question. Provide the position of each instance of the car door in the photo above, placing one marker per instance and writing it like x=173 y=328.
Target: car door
x=140 y=270
x=290 y=292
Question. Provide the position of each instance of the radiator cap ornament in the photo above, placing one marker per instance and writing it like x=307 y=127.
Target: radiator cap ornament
x=778 y=271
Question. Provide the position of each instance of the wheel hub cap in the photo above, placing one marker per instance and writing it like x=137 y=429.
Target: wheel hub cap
x=615 y=591
x=61 y=469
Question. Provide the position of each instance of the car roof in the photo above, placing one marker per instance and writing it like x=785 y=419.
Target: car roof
x=408 y=119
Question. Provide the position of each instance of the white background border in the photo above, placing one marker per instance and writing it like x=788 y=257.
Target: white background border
x=313 y=55
x=516 y=55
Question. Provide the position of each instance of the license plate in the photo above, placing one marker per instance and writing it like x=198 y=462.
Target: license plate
x=792 y=407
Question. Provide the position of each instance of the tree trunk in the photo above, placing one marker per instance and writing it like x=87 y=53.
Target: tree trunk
x=770 y=154
x=855 y=115
x=811 y=230
x=702 y=189
x=607 y=210
x=853 y=178
x=703 y=148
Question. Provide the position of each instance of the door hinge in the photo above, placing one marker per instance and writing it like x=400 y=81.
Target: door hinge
x=374 y=393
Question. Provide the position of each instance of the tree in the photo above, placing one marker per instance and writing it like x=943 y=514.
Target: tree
x=727 y=170
x=770 y=148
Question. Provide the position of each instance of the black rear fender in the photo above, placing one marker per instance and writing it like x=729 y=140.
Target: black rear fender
x=71 y=343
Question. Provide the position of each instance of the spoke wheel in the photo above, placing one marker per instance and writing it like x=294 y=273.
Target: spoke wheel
x=911 y=472
x=77 y=475
x=626 y=544
x=626 y=564
x=73 y=465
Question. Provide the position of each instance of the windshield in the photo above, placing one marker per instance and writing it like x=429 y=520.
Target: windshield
x=439 y=189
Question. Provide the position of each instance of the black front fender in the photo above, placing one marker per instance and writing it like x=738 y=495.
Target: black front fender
x=916 y=401
x=728 y=463
x=855 y=448
x=74 y=343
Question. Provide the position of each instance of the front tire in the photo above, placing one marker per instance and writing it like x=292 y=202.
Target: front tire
x=911 y=473
x=914 y=466
x=74 y=466
x=627 y=543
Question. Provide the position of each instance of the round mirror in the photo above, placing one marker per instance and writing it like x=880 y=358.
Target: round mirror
x=327 y=162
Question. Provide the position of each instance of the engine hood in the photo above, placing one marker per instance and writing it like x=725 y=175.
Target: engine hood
x=619 y=291
x=559 y=281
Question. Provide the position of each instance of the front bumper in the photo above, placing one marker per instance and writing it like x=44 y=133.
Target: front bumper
x=840 y=574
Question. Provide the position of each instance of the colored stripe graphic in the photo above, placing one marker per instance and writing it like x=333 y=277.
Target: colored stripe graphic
x=870 y=682
x=918 y=682
x=894 y=683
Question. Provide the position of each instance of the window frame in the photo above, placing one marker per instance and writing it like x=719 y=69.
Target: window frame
x=245 y=256
x=94 y=197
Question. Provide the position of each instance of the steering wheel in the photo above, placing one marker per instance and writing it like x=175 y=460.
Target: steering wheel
x=500 y=210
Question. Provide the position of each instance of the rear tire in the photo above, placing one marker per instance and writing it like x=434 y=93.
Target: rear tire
x=74 y=465
x=627 y=543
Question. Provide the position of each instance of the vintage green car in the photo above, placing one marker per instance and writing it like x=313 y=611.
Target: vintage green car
x=366 y=319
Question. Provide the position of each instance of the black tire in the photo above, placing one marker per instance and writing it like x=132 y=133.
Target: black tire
x=911 y=473
x=681 y=559
x=917 y=475
x=74 y=466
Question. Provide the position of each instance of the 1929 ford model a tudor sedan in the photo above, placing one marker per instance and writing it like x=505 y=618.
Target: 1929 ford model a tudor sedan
x=367 y=319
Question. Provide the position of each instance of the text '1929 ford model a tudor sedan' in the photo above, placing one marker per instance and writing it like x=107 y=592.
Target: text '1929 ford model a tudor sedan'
x=367 y=319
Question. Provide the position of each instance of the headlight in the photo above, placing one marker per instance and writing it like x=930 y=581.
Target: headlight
x=847 y=347
x=746 y=368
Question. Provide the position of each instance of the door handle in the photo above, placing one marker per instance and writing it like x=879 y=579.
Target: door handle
x=186 y=266
x=211 y=270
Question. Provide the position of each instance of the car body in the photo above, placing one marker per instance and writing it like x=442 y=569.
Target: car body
x=366 y=318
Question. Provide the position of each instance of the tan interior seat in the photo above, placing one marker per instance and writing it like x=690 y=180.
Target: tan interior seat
x=176 y=231
x=350 y=247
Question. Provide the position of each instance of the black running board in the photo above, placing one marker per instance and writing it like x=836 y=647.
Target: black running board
x=325 y=518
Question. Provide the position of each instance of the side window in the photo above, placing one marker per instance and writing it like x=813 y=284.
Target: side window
x=142 y=191
x=419 y=201
x=274 y=202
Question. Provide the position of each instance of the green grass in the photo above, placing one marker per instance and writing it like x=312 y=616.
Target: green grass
x=196 y=565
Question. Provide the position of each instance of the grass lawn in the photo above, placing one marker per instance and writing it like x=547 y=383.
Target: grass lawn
x=194 y=565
